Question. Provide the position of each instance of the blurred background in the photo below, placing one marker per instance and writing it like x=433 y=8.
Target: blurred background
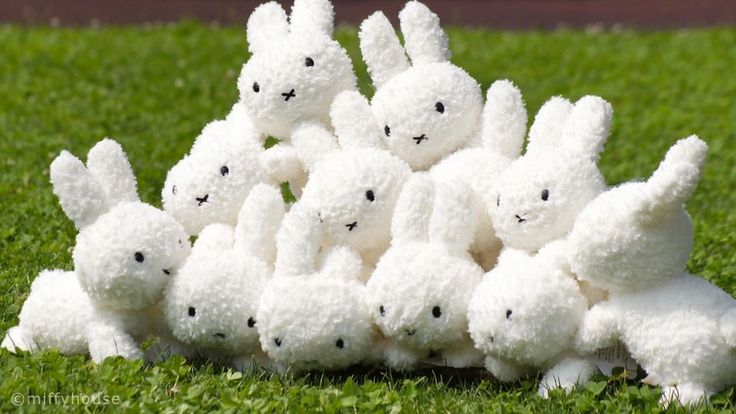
x=502 y=14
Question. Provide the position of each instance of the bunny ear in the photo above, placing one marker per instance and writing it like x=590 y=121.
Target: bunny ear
x=676 y=177
x=341 y=262
x=545 y=133
x=312 y=142
x=381 y=49
x=266 y=25
x=215 y=237
x=454 y=217
x=259 y=221
x=587 y=127
x=80 y=195
x=413 y=209
x=424 y=39
x=298 y=242
x=353 y=121
x=108 y=163
x=312 y=15
x=504 y=119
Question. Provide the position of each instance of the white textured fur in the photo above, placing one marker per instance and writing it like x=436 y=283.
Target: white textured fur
x=227 y=143
x=524 y=316
x=564 y=145
x=504 y=126
x=313 y=313
x=679 y=327
x=279 y=50
x=212 y=302
x=124 y=251
x=419 y=292
x=406 y=95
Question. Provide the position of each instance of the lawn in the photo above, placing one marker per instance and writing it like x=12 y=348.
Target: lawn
x=153 y=88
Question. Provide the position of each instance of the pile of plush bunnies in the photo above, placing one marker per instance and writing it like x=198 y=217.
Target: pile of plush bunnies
x=421 y=234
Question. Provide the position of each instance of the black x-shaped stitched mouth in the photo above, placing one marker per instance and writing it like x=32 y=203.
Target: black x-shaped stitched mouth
x=410 y=332
x=521 y=219
x=288 y=95
x=220 y=335
x=420 y=138
x=167 y=272
x=202 y=200
x=352 y=225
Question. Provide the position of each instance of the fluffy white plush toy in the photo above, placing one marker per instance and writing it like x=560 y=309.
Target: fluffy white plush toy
x=634 y=240
x=125 y=253
x=210 y=184
x=313 y=313
x=538 y=196
x=212 y=301
x=524 y=316
x=503 y=130
x=424 y=110
x=419 y=292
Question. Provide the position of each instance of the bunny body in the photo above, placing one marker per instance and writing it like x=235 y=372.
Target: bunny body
x=124 y=254
x=423 y=111
x=524 y=316
x=212 y=302
x=419 y=292
x=312 y=314
x=634 y=241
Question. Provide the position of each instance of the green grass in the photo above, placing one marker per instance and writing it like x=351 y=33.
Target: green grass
x=154 y=88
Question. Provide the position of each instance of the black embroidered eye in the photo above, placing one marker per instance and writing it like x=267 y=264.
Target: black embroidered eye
x=387 y=131
x=381 y=310
x=173 y=190
x=139 y=257
x=192 y=311
x=436 y=312
x=508 y=313
x=224 y=170
x=251 y=322
x=439 y=107
x=277 y=341
x=370 y=196
x=340 y=344
x=309 y=62
x=256 y=87
x=498 y=200
x=545 y=194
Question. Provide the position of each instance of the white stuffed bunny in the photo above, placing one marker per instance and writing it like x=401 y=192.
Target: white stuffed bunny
x=313 y=314
x=210 y=184
x=422 y=111
x=524 y=316
x=504 y=126
x=295 y=71
x=125 y=253
x=538 y=196
x=634 y=240
x=212 y=301
x=419 y=292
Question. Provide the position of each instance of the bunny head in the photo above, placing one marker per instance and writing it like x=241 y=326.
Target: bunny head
x=212 y=301
x=126 y=250
x=210 y=184
x=419 y=291
x=313 y=315
x=638 y=234
x=527 y=309
x=426 y=109
x=295 y=69
x=539 y=195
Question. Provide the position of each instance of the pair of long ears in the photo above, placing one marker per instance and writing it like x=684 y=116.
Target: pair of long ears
x=424 y=42
x=254 y=235
x=268 y=23
x=298 y=249
x=435 y=211
x=674 y=181
x=87 y=192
